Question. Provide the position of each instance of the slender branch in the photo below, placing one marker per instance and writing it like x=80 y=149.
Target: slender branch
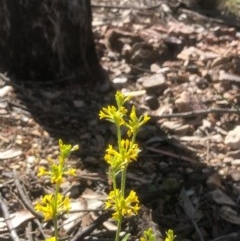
x=88 y=230
x=7 y=218
x=126 y=7
x=24 y=197
x=198 y=112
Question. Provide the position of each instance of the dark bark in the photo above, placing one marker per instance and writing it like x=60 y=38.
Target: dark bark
x=47 y=39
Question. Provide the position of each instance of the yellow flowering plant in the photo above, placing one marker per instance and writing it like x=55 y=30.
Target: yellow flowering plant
x=119 y=158
x=123 y=204
x=55 y=204
x=170 y=235
x=149 y=235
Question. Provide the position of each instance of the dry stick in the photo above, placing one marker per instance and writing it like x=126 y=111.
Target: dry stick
x=88 y=230
x=231 y=236
x=27 y=202
x=190 y=211
x=199 y=112
x=37 y=222
x=29 y=232
x=167 y=153
x=24 y=197
x=7 y=218
x=125 y=7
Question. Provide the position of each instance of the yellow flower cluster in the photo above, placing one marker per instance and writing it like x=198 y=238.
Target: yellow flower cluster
x=50 y=205
x=170 y=235
x=117 y=115
x=57 y=170
x=55 y=204
x=113 y=115
x=128 y=152
x=148 y=235
x=51 y=239
x=134 y=124
x=122 y=206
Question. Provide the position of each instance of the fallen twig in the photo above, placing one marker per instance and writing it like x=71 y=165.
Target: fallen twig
x=190 y=211
x=125 y=7
x=7 y=218
x=167 y=153
x=228 y=237
x=88 y=230
x=24 y=197
x=199 y=112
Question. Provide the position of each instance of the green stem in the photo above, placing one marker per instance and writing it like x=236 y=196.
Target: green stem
x=55 y=215
x=119 y=225
x=123 y=181
x=119 y=137
x=113 y=177
x=55 y=227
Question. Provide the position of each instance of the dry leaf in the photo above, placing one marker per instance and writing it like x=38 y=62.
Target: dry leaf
x=16 y=219
x=11 y=153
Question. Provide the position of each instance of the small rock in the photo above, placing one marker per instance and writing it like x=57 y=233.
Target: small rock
x=192 y=68
x=234 y=154
x=177 y=128
x=202 y=83
x=155 y=83
x=233 y=138
x=79 y=103
x=229 y=214
x=5 y=90
x=120 y=80
x=154 y=68
x=222 y=198
x=227 y=160
x=235 y=175
x=152 y=102
x=236 y=162
x=183 y=102
x=214 y=181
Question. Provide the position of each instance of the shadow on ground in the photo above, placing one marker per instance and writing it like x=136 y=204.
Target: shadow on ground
x=176 y=188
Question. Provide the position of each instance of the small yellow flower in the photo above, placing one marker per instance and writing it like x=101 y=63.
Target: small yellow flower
x=122 y=206
x=43 y=172
x=71 y=172
x=56 y=174
x=148 y=235
x=45 y=206
x=170 y=235
x=114 y=115
x=50 y=207
x=56 y=171
x=121 y=98
x=134 y=124
x=129 y=151
x=108 y=113
x=51 y=239
x=65 y=150
x=112 y=157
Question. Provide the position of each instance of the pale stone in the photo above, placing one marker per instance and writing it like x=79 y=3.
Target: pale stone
x=155 y=83
x=233 y=138
x=236 y=162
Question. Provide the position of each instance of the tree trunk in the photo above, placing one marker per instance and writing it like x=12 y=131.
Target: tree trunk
x=47 y=39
